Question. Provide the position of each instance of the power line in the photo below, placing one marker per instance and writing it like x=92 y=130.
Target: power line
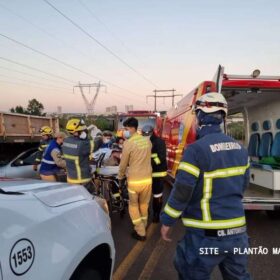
x=31 y=75
x=60 y=61
x=35 y=69
x=48 y=56
x=54 y=37
x=52 y=75
x=43 y=30
x=22 y=84
x=106 y=27
x=100 y=44
x=155 y=96
x=23 y=80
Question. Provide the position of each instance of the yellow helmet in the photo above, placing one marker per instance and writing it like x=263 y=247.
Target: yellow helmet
x=46 y=130
x=75 y=125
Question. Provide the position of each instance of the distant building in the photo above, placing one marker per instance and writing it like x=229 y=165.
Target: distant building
x=111 y=110
x=128 y=108
x=59 y=110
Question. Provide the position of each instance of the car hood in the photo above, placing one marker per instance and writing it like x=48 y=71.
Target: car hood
x=52 y=194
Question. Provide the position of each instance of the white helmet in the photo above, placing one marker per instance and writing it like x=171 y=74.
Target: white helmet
x=211 y=102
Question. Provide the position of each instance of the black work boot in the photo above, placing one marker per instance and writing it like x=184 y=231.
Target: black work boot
x=157 y=204
x=136 y=236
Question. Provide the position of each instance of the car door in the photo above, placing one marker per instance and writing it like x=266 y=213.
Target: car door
x=22 y=166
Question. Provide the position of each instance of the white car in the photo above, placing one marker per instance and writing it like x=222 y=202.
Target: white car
x=51 y=230
x=21 y=166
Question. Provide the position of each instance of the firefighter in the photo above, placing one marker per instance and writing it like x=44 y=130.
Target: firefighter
x=136 y=155
x=159 y=167
x=207 y=194
x=52 y=161
x=46 y=134
x=77 y=150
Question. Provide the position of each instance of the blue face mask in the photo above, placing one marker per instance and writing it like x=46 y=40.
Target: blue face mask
x=126 y=134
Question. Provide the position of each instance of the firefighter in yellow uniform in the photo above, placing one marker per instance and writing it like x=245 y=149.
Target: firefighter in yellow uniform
x=137 y=156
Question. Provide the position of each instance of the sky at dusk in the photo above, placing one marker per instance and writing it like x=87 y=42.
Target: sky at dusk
x=131 y=46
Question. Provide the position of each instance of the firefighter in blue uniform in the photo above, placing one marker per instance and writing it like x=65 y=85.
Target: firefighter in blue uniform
x=159 y=166
x=53 y=164
x=47 y=135
x=77 y=151
x=207 y=195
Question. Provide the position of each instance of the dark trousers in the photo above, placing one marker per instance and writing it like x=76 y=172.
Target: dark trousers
x=192 y=262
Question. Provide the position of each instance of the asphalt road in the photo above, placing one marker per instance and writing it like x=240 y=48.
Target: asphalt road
x=153 y=258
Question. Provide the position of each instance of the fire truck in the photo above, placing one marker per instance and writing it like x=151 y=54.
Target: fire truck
x=144 y=118
x=256 y=99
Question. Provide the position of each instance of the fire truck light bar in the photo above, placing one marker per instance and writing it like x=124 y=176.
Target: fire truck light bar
x=249 y=77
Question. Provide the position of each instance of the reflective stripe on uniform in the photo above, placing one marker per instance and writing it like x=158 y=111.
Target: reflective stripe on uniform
x=91 y=149
x=144 y=218
x=91 y=146
x=208 y=186
x=48 y=161
x=157 y=195
x=159 y=174
x=42 y=147
x=226 y=172
x=147 y=181
x=78 y=181
x=204 y=203
x=214 y=224
x=131 y=191
x=172 y=212
x=157 y=160
x=185 y=166
x=77 y=164
x=137 y=221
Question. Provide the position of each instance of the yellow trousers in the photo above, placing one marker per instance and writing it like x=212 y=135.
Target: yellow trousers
x=139 y=198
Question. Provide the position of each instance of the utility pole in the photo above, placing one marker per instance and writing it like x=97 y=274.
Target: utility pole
x=155 y=96
x=89 y=104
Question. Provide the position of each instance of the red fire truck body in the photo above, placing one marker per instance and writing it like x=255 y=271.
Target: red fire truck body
x=257 y=99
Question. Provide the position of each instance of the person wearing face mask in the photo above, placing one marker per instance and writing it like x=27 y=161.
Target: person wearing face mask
x=136 y=155
x=207 y=194
x=77 y=150
x=159 y=166
x=107 y=139
x=52 y=162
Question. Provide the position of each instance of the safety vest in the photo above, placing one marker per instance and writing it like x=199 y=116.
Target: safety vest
x=77 y=153
x=159 y=164
x=43 y=145
x=215 y=170
x=48 y=166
